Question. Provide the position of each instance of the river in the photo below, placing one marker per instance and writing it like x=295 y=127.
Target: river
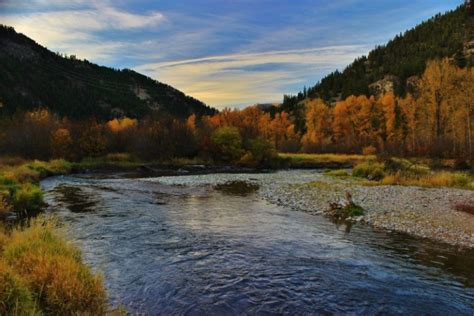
x=210 y=244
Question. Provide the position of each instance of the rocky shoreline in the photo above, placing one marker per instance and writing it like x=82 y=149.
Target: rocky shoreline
x=422 y=212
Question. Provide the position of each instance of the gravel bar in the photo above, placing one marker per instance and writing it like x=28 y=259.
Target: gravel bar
x=423 y=212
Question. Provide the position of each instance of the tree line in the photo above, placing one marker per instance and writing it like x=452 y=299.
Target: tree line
x=443 y=36
x=435 y=121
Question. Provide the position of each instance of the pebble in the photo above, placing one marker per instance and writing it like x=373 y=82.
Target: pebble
x=423 y=212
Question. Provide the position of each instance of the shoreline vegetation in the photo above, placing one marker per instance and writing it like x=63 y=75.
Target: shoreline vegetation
x=20 y=194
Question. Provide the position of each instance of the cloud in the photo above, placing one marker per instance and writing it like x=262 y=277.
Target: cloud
x=241 y=79
x=75 y=31
x=224 y=52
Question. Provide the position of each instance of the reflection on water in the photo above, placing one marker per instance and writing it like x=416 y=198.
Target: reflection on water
x=75 y=198
x=184 y=245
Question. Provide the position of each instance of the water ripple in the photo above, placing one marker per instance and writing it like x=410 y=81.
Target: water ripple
x=175 y=245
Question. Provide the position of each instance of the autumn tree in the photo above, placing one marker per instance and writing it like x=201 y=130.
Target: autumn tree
x=61 y=143
x=318 y=120
x=434 y=90
x=394 y=128
x=227 y=144
x=92 y=141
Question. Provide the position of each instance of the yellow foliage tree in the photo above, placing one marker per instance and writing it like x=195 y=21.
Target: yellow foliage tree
x=119 y=125
x=318 y=126
x=61 y=143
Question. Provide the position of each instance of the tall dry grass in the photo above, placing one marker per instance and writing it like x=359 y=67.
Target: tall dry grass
x=39 y=259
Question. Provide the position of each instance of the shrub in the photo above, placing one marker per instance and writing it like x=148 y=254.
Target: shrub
x=61 y=143
x=49 y=168
x=228 y=144
x=4 y=207
x=461 y=164
x=53 y=270
x=119 y=157
x=370 y=170
x=336 y=173
x=28 y=197
x=21 y=173
x=11 y=161
x=346 y=209
x=369 y=150
x=436 y=164
x=261 y=153
x=15 y=297
x=393 y=165
x=58 y=166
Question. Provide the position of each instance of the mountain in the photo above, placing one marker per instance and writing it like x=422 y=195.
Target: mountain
x=31 y=76
x=394 y=67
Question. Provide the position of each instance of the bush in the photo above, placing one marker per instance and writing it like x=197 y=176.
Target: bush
x=336 y=173
x=4 y=207
x=21 y=173
x=45 y=168
x=369 y=151
x=28 y=197
x=393 y=165
x=346 y=209
x=119 y=157
x=261 y=153
x=461 y=164
x=59 y=166
x=15 y=297
x=370 y=170
x=53 y=271
x=227 y=143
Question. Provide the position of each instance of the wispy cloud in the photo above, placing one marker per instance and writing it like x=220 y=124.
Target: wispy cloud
x=224 y=52
x=241 y=79
x=75 y=31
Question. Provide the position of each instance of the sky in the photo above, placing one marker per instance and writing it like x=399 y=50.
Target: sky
x=227 y=53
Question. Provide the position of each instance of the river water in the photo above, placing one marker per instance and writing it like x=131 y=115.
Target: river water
x=210 y=244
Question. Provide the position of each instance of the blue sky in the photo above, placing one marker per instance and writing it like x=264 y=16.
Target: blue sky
x=223 y=52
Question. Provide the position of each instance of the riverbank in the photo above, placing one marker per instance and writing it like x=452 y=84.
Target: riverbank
x=422 y=212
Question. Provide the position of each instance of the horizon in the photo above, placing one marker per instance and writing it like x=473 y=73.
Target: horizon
x=235 y=55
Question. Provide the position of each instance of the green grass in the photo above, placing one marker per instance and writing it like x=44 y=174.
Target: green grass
x=19 y=183
x=370 y=170
x=450 y=179
x=337 y=173
x=397 y=171
x=299 y=160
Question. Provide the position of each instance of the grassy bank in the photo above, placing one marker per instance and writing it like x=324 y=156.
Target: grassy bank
x=396 y=171
x=40 y=272
x=298 y=160
x=19 y=179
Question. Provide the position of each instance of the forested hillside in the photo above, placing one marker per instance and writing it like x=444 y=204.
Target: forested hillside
x=31 y=76
x=396 y=66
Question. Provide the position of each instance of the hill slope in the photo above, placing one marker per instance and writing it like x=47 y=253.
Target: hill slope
x=394 y=66
x=32 y=76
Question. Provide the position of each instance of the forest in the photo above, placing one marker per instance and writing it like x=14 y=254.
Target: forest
x=402 y=59
x=435 y=121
